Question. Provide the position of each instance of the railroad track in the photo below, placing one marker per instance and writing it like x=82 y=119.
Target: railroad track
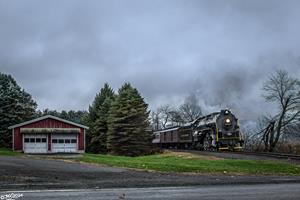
x=273 y=155
x=262 y=154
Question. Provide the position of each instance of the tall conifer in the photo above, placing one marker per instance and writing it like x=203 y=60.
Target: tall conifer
x=16 y=106
x=97 y=119
x=128 y=124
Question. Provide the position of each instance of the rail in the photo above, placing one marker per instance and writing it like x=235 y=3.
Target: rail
x=269 y=154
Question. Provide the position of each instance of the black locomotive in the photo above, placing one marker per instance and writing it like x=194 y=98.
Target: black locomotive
x=216 y=131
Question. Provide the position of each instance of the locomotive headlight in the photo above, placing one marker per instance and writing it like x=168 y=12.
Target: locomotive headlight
x=227 y=121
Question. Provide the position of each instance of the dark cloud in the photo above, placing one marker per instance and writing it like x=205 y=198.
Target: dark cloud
x=62 y=52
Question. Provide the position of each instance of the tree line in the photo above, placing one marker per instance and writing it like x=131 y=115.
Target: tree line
x=120 y=122
x=71 y=115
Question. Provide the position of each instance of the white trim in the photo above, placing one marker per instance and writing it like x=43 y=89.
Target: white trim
x=51 y=144
x=49 y=130
x=34 y=136
x=46 y=117
x=66 y=147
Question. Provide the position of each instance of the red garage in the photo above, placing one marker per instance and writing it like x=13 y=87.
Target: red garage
x=49 y=134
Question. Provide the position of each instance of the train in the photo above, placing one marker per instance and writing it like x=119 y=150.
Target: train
x=214 y=132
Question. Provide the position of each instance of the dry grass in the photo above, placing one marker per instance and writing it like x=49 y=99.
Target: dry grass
x=187 y=155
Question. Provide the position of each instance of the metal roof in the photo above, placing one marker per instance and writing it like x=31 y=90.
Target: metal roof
x=167 y=129
x=46 y=117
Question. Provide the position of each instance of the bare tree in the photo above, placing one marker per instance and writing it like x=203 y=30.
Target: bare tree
x=285 y=91
x=190 y=109
x=254 y=136
x=293 y=131
x=176 y=118
x=155 y=118
x=162 y=117
x=165 y=115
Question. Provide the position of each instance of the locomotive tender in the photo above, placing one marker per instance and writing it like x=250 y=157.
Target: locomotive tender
x=216 y=131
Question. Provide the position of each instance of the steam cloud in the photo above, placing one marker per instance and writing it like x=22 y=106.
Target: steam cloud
x=62 y=52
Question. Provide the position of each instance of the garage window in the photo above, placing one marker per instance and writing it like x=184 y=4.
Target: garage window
x=54 y=141
x=60 y=141
x=67 y=141
x=73 y=141
x=38 y=139
x=44 y=140
x=32 y=140
x=26 y=140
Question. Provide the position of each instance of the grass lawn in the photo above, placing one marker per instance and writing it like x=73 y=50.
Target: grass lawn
x=8 y=152
x=185 y=162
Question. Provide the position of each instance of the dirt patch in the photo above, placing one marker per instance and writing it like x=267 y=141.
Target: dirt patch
x=189 y=155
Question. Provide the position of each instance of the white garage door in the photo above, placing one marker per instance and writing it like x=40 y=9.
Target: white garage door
x=64 y=143
x=35 y=143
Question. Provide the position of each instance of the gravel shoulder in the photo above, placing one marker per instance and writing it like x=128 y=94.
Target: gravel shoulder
x=230 y=155
x=36 y=173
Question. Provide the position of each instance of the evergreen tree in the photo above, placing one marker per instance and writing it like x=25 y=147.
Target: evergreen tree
x=97 y=119
x=73 y=116
x=129 y=124
x=16 y=106
x=64 y=115
x=78 y=116
x=54 y=113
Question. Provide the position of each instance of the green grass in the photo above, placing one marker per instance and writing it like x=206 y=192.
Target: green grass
x=175 y=163
x=8 y=152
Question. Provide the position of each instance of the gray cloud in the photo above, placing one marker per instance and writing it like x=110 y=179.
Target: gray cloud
x=62 y=52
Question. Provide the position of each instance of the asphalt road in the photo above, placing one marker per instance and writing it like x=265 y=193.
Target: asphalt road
x=32 y=173
x=236 y=192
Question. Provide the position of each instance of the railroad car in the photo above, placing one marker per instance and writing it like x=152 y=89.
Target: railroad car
x=216 y=131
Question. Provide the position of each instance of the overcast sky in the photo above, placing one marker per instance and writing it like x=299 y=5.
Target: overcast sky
x=62 y=52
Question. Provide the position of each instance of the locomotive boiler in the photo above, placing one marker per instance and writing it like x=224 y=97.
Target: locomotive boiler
x=216 y=131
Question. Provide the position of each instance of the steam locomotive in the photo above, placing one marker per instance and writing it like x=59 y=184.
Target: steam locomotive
x=216 y=131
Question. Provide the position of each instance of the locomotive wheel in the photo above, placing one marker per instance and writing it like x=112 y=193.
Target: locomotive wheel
x=206 y=143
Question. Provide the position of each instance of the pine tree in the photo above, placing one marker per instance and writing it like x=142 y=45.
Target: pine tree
x=97 y=119
x=16 y=106
x=71 y=115
x=128 y=124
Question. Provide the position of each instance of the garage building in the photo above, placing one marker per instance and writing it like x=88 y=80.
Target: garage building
x=49 y=134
